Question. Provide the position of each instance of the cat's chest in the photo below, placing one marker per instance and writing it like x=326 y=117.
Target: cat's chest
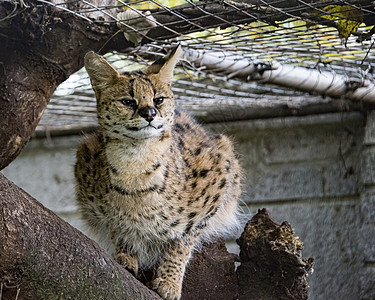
x=141 y=220
x=137 y=169
x=146 y=192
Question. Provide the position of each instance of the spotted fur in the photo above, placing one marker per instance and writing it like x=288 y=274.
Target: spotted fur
x=152 y=183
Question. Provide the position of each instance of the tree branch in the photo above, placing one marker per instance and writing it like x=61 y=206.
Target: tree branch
x=43 y=257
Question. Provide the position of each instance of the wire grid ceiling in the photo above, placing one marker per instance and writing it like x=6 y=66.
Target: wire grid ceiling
x=320 y=35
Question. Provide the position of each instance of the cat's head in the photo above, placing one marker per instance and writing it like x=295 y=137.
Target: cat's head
x=137 y=105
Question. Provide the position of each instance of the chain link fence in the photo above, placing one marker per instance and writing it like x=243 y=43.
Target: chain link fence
x=238 y=54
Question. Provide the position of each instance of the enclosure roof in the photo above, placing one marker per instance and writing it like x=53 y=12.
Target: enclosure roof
x=243 y=59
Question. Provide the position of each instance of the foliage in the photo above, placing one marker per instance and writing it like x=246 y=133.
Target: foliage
x=347 y=17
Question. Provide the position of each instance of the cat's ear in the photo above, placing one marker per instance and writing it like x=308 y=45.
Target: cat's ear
x=101 y=73
x=164 y=67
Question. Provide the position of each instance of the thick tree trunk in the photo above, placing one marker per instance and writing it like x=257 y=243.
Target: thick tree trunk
x=40 y=48
x=44 y=258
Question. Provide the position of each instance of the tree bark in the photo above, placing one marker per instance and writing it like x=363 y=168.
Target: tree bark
x=40 y=47
x=43 y=257
x=272 y=267
x=211 y=274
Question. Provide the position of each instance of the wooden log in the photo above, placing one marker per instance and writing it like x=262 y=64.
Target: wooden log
x=44 y=258
x=272 y=267
x=211 y=274
x=40 y=47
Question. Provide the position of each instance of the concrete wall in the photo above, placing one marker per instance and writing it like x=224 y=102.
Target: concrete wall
x=297 y=169
x=367 y=213
x=304 y=170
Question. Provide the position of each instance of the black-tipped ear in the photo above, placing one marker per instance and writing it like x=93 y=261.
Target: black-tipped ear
x=164 y=67
x=101 y=73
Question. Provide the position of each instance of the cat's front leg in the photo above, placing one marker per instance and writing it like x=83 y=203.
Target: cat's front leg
x=127 y=261
x=170 y=273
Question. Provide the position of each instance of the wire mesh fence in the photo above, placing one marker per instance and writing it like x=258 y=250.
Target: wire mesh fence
x=238 y=54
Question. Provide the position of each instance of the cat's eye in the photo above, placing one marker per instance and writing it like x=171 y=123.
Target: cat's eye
x=128 y=102
x=158 y=100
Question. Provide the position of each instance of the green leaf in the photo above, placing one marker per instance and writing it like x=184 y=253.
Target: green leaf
x=348 y=18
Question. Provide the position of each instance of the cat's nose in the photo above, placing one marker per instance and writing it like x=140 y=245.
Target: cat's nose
x=149 y=113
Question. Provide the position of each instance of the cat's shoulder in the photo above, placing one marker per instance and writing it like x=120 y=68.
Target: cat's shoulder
x=91 y=146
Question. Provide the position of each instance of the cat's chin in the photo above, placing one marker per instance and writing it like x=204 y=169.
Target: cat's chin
x=145 y=133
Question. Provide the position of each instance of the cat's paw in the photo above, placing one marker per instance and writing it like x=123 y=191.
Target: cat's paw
x=167 y=289
x=128 y=262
